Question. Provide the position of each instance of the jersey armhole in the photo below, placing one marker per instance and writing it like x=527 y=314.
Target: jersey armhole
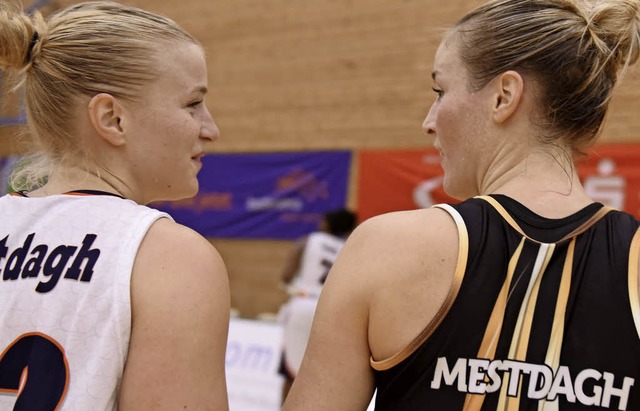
x=461 y=265
x=634 y=298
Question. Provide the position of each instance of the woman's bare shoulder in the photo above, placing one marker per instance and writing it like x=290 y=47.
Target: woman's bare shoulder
x=407 y=264
x=168 y=239
x=395 y=248
x=405 y=231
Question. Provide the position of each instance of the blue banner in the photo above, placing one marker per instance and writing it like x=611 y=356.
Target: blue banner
x=6 y=167
x=264 y=195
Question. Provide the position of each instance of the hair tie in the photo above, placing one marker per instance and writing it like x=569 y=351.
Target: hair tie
x=34 y=39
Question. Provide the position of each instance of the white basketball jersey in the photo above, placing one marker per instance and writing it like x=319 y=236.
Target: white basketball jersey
x=65 y=310
x=319 y=254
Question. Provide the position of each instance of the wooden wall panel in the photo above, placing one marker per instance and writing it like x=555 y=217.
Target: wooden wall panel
x=255 y=269
x=321 y=74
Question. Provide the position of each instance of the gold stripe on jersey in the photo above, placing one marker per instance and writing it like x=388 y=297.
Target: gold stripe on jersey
x=634 y=254
x=461 y=265
x=579 y=230
x=522 y=332
x=525 y=320
x=499 y=208
x=590 y=222
x=494 y=327
x=557 y=329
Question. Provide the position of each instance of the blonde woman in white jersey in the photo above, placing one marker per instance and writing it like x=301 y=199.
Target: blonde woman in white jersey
x=105 y=303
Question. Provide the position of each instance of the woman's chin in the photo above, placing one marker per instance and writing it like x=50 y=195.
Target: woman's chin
x=184 y=193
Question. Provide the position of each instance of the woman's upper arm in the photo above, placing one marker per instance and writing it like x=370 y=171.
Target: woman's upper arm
x=363 y=308
x=180 y=319
x=335 y=373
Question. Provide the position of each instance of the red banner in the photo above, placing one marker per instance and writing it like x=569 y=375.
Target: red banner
x=611 y=175
x=394 y=180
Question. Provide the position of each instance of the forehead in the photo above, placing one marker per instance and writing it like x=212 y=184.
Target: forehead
x=447 y=63
x=180 y=66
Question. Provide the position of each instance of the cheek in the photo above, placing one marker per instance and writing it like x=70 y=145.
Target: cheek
x=447 y=120
x=174 y=137
x=183 y=128
x=458 y=123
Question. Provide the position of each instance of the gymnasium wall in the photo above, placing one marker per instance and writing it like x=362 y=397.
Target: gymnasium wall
x=290 y=75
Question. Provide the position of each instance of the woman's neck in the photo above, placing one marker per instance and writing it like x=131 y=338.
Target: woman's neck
x=63 y=180
x=545 y=182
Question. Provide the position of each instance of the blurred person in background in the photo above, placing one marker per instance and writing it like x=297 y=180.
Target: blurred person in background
x=305 y=274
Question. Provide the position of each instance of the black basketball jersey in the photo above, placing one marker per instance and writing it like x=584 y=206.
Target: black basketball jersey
x=543 y=315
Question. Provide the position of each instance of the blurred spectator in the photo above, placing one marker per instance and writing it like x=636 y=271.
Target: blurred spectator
x=304 y=276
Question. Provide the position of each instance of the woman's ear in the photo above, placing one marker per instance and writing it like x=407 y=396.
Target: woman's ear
x=105 y=113
x=510 y=86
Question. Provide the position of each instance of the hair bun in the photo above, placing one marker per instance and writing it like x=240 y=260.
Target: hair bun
x=616 y=24
x=19 y=38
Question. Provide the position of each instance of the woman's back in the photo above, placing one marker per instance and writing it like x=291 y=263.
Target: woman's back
x=65 y=309
x=528 y=322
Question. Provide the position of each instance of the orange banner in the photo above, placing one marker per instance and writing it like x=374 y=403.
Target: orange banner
x=611 y=175
x=394 y=180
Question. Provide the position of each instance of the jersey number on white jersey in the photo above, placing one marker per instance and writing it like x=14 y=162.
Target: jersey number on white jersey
x=35 y=368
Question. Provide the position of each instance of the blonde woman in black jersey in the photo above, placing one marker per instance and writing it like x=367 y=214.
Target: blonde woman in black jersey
x=525 y=295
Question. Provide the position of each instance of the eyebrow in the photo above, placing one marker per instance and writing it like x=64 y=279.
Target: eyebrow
x=201 y=89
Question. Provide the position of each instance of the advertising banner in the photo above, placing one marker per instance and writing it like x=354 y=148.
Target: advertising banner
x=264 y=195
x=611 y=175
x=254 y=351
x=395 y=180
x=7 y=165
